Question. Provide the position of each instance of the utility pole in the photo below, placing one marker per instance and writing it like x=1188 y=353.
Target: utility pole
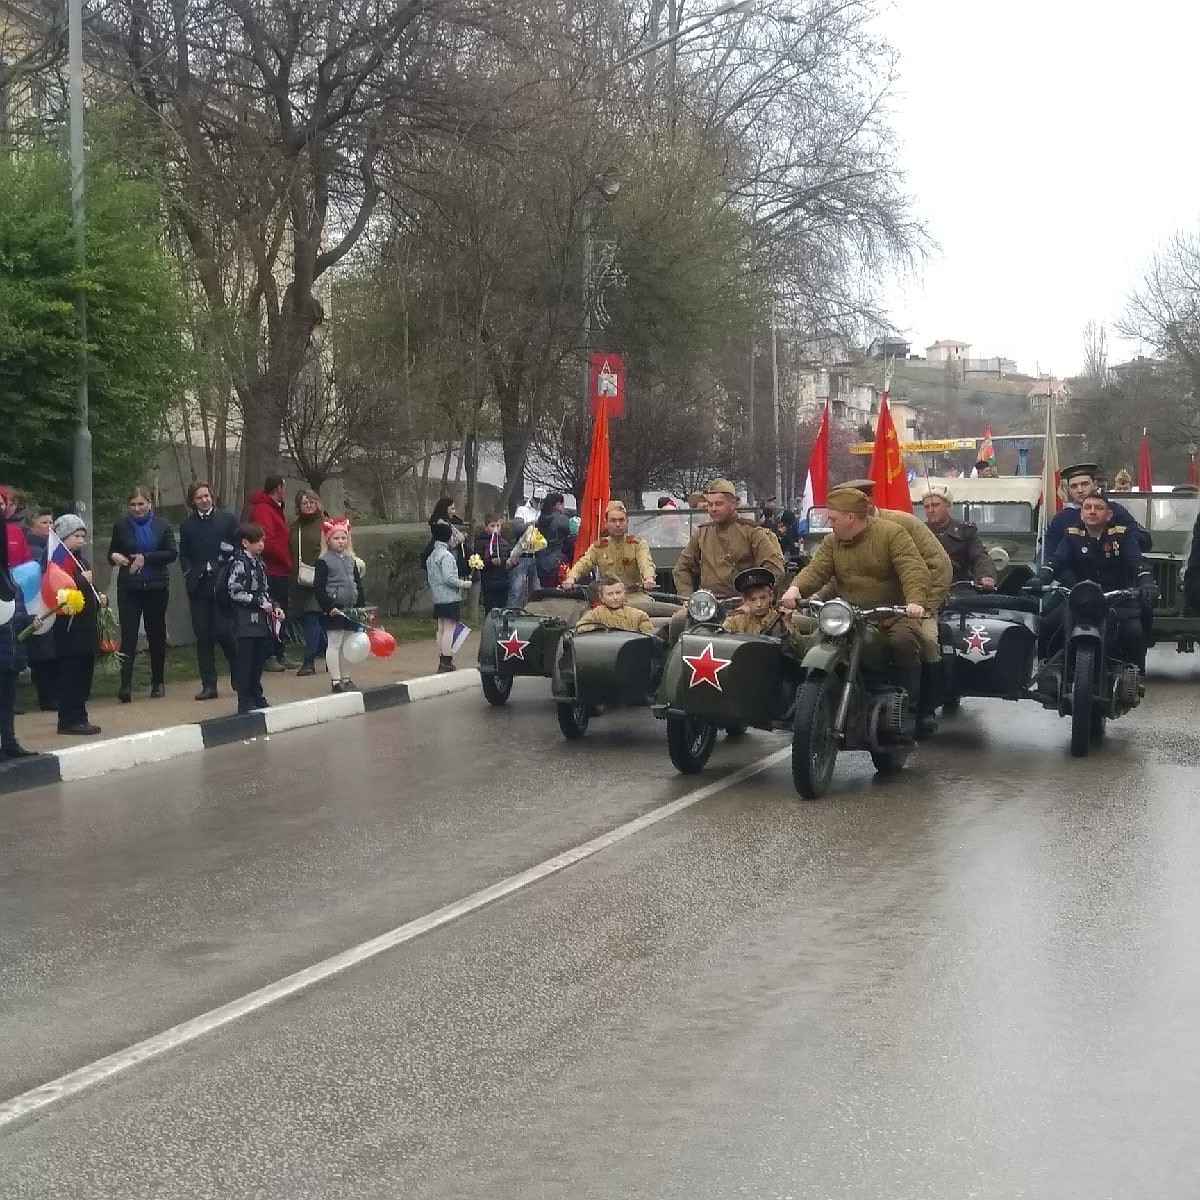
x=82 y=440
x=775 y=406
x=753 y=455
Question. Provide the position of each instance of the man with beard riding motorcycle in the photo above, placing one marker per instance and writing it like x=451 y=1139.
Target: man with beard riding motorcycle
x=941 y=572
x=871 y=561
x=720 y=549
x=1101 y=548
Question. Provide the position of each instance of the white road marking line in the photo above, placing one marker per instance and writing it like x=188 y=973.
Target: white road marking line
x=102 y=1069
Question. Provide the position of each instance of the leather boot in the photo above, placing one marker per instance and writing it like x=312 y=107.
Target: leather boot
x=931 y=694
x=125 y=691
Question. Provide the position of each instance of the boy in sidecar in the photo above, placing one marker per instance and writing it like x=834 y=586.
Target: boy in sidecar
x=613 y=612
x=758 y=613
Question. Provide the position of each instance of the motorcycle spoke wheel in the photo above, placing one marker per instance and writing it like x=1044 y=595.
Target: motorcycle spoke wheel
x=573 y=720
x=814 y=745
x=690 y=742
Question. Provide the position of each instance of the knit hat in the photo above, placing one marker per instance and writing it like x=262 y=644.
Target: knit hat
x=68 y=524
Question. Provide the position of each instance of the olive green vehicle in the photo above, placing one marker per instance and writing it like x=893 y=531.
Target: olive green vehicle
x=1170 y=520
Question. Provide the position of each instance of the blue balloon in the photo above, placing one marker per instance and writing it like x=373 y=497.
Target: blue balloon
x=28 y=577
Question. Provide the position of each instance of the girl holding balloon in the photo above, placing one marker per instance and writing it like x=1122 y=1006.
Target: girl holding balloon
x=76 y=636
x=337 y=585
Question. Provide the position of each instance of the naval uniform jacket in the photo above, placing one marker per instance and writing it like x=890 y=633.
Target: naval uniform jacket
x=1112 y=559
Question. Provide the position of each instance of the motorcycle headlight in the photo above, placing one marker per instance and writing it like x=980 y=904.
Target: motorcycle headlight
x=835 y=619
x=703 y=607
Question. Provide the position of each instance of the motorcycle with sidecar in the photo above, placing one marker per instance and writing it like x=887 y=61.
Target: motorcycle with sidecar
x=990 y=649
x=714 y=679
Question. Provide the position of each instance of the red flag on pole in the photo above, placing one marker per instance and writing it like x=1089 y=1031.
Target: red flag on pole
x=987 y=452
x=816 y=486
x=1145 y=478
x=597 y=487
x=887 y=464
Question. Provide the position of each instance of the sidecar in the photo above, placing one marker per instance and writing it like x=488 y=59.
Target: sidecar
x=989 y=645
x=714 y=679
x=600 y=669
x=523 y=641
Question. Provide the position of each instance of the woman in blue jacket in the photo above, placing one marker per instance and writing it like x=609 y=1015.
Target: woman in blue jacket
x=142 y=547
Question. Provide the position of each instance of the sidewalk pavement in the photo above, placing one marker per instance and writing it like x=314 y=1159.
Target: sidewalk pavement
x=151 y=730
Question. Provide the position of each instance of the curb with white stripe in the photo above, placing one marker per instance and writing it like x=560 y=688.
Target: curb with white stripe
x=90 y=759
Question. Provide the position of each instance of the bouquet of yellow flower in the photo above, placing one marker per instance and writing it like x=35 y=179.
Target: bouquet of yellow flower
x=475 y=562
x=536 y=540
x=68 y=602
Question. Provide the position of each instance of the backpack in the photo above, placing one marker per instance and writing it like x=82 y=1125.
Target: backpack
x=221 y=579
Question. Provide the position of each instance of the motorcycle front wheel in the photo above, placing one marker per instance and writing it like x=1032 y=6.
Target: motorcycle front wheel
x=814 y=744
x=690 y=742
x=1083 y=690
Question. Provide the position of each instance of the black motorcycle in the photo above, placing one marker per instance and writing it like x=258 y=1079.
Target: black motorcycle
x=1085 y=680
x=847 y=701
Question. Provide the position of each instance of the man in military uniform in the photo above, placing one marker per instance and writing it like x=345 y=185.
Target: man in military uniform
x=871 y=562
x=941 y=572
x=618 y=553
x=969 y=561
x=718 y=550
x=1100 y=548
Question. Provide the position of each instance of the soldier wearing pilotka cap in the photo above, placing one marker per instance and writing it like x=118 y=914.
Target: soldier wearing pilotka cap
x=720 y=549
x=617 y=553
x=871 y=561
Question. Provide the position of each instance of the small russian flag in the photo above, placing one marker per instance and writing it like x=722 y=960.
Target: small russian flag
x=58 y=554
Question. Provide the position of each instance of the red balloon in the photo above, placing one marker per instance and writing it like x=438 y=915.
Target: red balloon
x=53 y=581
x=383 y=645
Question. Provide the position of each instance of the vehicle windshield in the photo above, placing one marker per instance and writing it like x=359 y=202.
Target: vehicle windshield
x=668 y=527
x=1001 y=518
x=1174 y=513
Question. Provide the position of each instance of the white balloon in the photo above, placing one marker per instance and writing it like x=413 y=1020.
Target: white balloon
x=7 y=608
x=356 y=648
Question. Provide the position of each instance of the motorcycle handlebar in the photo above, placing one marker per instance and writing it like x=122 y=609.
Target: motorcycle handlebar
x=882 y=610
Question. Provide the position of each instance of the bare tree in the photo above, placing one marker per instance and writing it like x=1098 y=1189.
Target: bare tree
x=271 y=118
x=1095 y=353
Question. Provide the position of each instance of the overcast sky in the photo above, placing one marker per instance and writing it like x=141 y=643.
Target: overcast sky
x=1049 y=145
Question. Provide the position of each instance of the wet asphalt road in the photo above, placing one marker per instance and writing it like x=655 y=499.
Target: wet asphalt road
x=979 y=979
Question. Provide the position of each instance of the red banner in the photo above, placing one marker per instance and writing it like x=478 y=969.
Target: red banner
x=887 y=464
x=607 y=383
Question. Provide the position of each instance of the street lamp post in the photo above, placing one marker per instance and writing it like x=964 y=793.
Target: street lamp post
x=82 y=440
